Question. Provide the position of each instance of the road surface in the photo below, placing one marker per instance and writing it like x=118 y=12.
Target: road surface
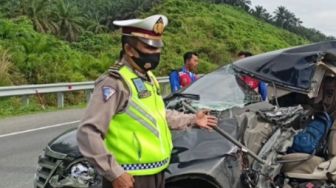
x=23 y=138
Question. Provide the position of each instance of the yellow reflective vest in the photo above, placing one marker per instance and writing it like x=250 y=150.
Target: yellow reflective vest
x=139 y=138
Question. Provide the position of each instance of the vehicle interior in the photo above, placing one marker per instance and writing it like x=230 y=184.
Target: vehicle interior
x=300 y=169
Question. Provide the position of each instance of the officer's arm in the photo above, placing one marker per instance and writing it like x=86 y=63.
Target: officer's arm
x=180 y=120
x=107 y=99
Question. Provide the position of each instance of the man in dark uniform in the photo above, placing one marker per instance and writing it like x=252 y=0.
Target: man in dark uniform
x=124 y=132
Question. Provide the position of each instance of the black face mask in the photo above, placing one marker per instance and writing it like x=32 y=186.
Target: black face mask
x=147 y=61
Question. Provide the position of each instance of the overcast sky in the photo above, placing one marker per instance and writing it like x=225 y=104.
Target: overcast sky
x=318 y=14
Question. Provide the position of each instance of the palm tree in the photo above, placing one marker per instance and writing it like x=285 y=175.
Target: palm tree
x=292 y=20
x=280 y=16
x=258 y=11
x=110 y=12
x=14 y=8
x=286 y=19
x=132 y=7
x=36 y=10
x=244 y=4
x=68 y=20
x=261 y=12
x=268 y=17
x=39 y=13
x=94 y=23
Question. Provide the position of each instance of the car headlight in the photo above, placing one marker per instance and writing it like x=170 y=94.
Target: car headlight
x=83 y=173
x=78 y=174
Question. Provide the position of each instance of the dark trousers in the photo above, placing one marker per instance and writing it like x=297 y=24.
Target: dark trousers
x=151 y=181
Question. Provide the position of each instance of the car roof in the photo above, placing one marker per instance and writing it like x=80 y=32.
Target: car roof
x=292 y=68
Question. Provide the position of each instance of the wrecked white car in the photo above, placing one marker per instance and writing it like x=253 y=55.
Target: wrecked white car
x=257 y=144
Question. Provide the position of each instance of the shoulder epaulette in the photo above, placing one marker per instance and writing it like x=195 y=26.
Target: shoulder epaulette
x=114 y=70
x=100 y=79
x=117 y=66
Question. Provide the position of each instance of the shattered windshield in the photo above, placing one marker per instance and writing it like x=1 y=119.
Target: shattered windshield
x=221 y=89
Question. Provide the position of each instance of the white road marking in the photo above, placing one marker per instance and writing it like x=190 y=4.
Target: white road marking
x=38 y=129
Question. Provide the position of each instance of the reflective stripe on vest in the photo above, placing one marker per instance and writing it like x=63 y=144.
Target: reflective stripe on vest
x=136 y=106
x=139 y=137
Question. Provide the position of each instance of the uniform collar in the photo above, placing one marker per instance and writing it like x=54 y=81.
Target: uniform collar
x=141 y=75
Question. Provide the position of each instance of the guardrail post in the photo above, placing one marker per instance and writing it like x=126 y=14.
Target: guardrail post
x=25 y=100
x=165 y=89
x=60 y=100
x=88 y=94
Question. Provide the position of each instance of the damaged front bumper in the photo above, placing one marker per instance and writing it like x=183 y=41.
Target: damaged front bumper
x=57 y=170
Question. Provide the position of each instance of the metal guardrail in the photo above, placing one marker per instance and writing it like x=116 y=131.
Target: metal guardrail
x=44 y=88
x=59 y=88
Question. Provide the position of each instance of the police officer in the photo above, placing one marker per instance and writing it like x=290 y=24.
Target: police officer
x=124 y=132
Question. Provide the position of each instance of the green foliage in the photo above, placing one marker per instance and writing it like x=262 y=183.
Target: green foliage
x=282 y=18
x=70 y=19
x=5 y=67
x=216 y=31
x=11 y=106
x=14 y=106
x=42 y=58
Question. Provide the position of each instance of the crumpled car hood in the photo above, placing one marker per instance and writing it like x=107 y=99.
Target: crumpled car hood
x=206 y=156
x=66 y=143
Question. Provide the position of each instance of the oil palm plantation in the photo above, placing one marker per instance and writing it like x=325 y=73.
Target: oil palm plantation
x=261 y=12
x=286 y=19
x=39 y=13
x=68 y=19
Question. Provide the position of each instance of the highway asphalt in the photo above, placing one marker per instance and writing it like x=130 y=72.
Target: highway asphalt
x=23 y=138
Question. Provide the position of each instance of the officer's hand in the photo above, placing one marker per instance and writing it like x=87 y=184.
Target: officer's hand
x=123 y=181
x=203 y=120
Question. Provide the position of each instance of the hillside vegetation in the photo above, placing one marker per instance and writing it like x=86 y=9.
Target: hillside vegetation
x=216 y=31
x=30 y=57
x=280 y=17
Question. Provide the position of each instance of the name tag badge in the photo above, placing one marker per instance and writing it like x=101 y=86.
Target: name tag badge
x=141 y=88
